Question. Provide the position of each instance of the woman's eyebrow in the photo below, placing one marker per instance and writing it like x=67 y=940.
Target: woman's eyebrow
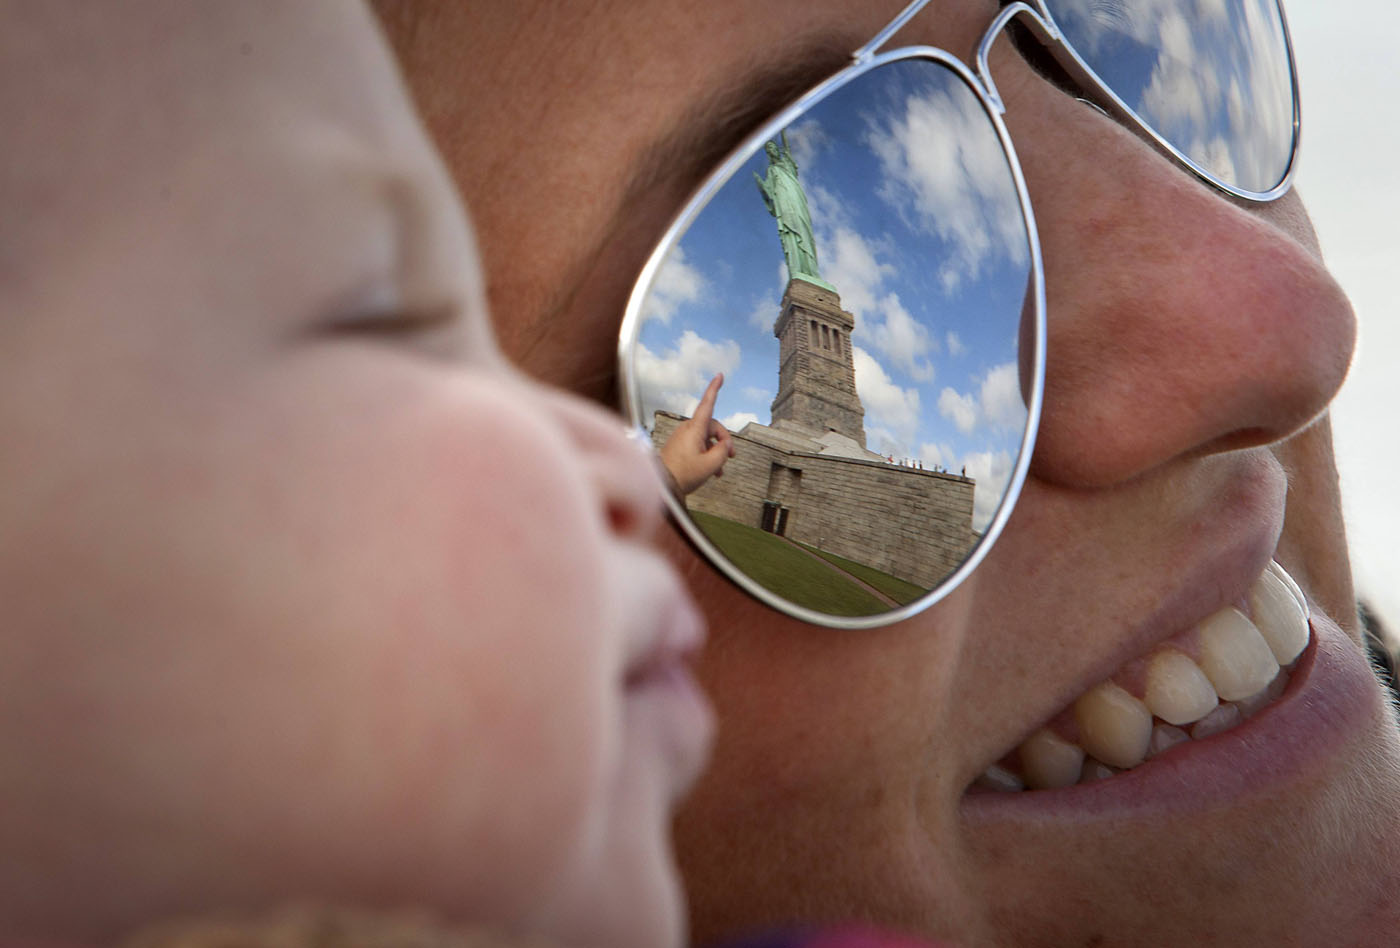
x=697 y=140
x=719 y=119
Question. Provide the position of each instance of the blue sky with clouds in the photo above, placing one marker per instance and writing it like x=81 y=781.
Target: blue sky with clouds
x=1211 y=75
x=1351 y=137
x=919 y=228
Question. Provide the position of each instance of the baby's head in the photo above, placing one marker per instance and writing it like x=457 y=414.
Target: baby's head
x=307 y=595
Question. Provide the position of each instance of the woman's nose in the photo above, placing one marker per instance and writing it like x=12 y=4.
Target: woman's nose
x=621 y=471
x=1181 y=322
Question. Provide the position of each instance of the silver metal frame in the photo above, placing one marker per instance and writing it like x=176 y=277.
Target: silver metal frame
x=632 y=321
x=865 y=59
x=1047 y=29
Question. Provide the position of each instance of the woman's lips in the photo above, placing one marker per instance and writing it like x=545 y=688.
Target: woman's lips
x=1226 y=669
x=1330 y=698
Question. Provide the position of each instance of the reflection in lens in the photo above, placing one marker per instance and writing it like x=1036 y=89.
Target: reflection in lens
x=1212 y=77
x=860 y=282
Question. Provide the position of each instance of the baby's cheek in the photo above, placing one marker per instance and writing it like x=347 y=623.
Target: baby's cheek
x=462 y=589
x=541 y=652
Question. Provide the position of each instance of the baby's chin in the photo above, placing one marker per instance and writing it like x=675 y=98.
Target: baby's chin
x=640 y=904
x=623 y=888
x=318 y=926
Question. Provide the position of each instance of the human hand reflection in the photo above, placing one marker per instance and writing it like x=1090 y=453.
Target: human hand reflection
x=698 y=448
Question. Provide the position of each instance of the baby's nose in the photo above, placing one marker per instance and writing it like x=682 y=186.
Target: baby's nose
x=619 y=467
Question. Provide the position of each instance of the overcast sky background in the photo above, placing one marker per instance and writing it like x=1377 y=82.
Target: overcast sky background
x=1351 y=155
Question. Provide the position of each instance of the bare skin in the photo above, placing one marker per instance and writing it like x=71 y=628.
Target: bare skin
x=1194 y=344
x=276 y=515
x=698 y=448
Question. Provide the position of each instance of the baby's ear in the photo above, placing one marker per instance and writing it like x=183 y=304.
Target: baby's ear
x=319 y=927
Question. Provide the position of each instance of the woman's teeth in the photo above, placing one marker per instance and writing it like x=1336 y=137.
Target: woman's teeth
x=1240 y=666
x=1178 y=691
x=1114 y=727
x=1051 y=761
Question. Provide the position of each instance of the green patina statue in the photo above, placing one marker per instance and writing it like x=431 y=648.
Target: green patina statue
x=782 y=195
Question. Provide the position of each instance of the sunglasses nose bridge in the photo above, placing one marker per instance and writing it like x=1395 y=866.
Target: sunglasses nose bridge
x=1037 y=21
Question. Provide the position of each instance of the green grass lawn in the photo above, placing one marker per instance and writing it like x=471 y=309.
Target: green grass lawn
x=789 y=572
x=897 y=589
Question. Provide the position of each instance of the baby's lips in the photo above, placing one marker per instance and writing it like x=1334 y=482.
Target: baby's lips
x=668 y=625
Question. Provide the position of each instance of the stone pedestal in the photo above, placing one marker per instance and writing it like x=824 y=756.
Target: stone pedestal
x=914 y=525
x=816 y=368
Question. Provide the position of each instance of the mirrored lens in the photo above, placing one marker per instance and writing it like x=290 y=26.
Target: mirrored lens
x=860 y=282
x=1211 y=77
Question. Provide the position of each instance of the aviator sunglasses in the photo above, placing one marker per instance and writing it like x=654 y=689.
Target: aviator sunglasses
x=865 y=271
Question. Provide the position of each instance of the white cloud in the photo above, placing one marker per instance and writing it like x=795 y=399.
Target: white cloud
x=991 y=470
x=874 y=437
x=736 y=421
x=883 y=441
x=673 y=380
x=902 y=339
x=1180 y=98
x=857 y=271
x=1220 y=67
x=886 y=404
x=1102 y=23
x=1213 y=11
x=1214 y=156
x=960 y=409
x=944 y=168
x=676 y=283
x=936 y=455
x=955 y=344
x=755 y=394
x=828 y=211
x=807 y=139
x=997 y=402
x=852 y=266
x=1001 y=403
x=764 y=314
x=1269 y=89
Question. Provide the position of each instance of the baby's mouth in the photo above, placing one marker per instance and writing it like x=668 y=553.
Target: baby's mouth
x=1200 y=684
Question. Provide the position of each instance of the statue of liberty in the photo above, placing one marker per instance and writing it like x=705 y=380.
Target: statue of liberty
x=782 y=195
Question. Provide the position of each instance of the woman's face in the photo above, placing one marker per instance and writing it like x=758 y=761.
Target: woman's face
x=308 y=595
x=1193 y=342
